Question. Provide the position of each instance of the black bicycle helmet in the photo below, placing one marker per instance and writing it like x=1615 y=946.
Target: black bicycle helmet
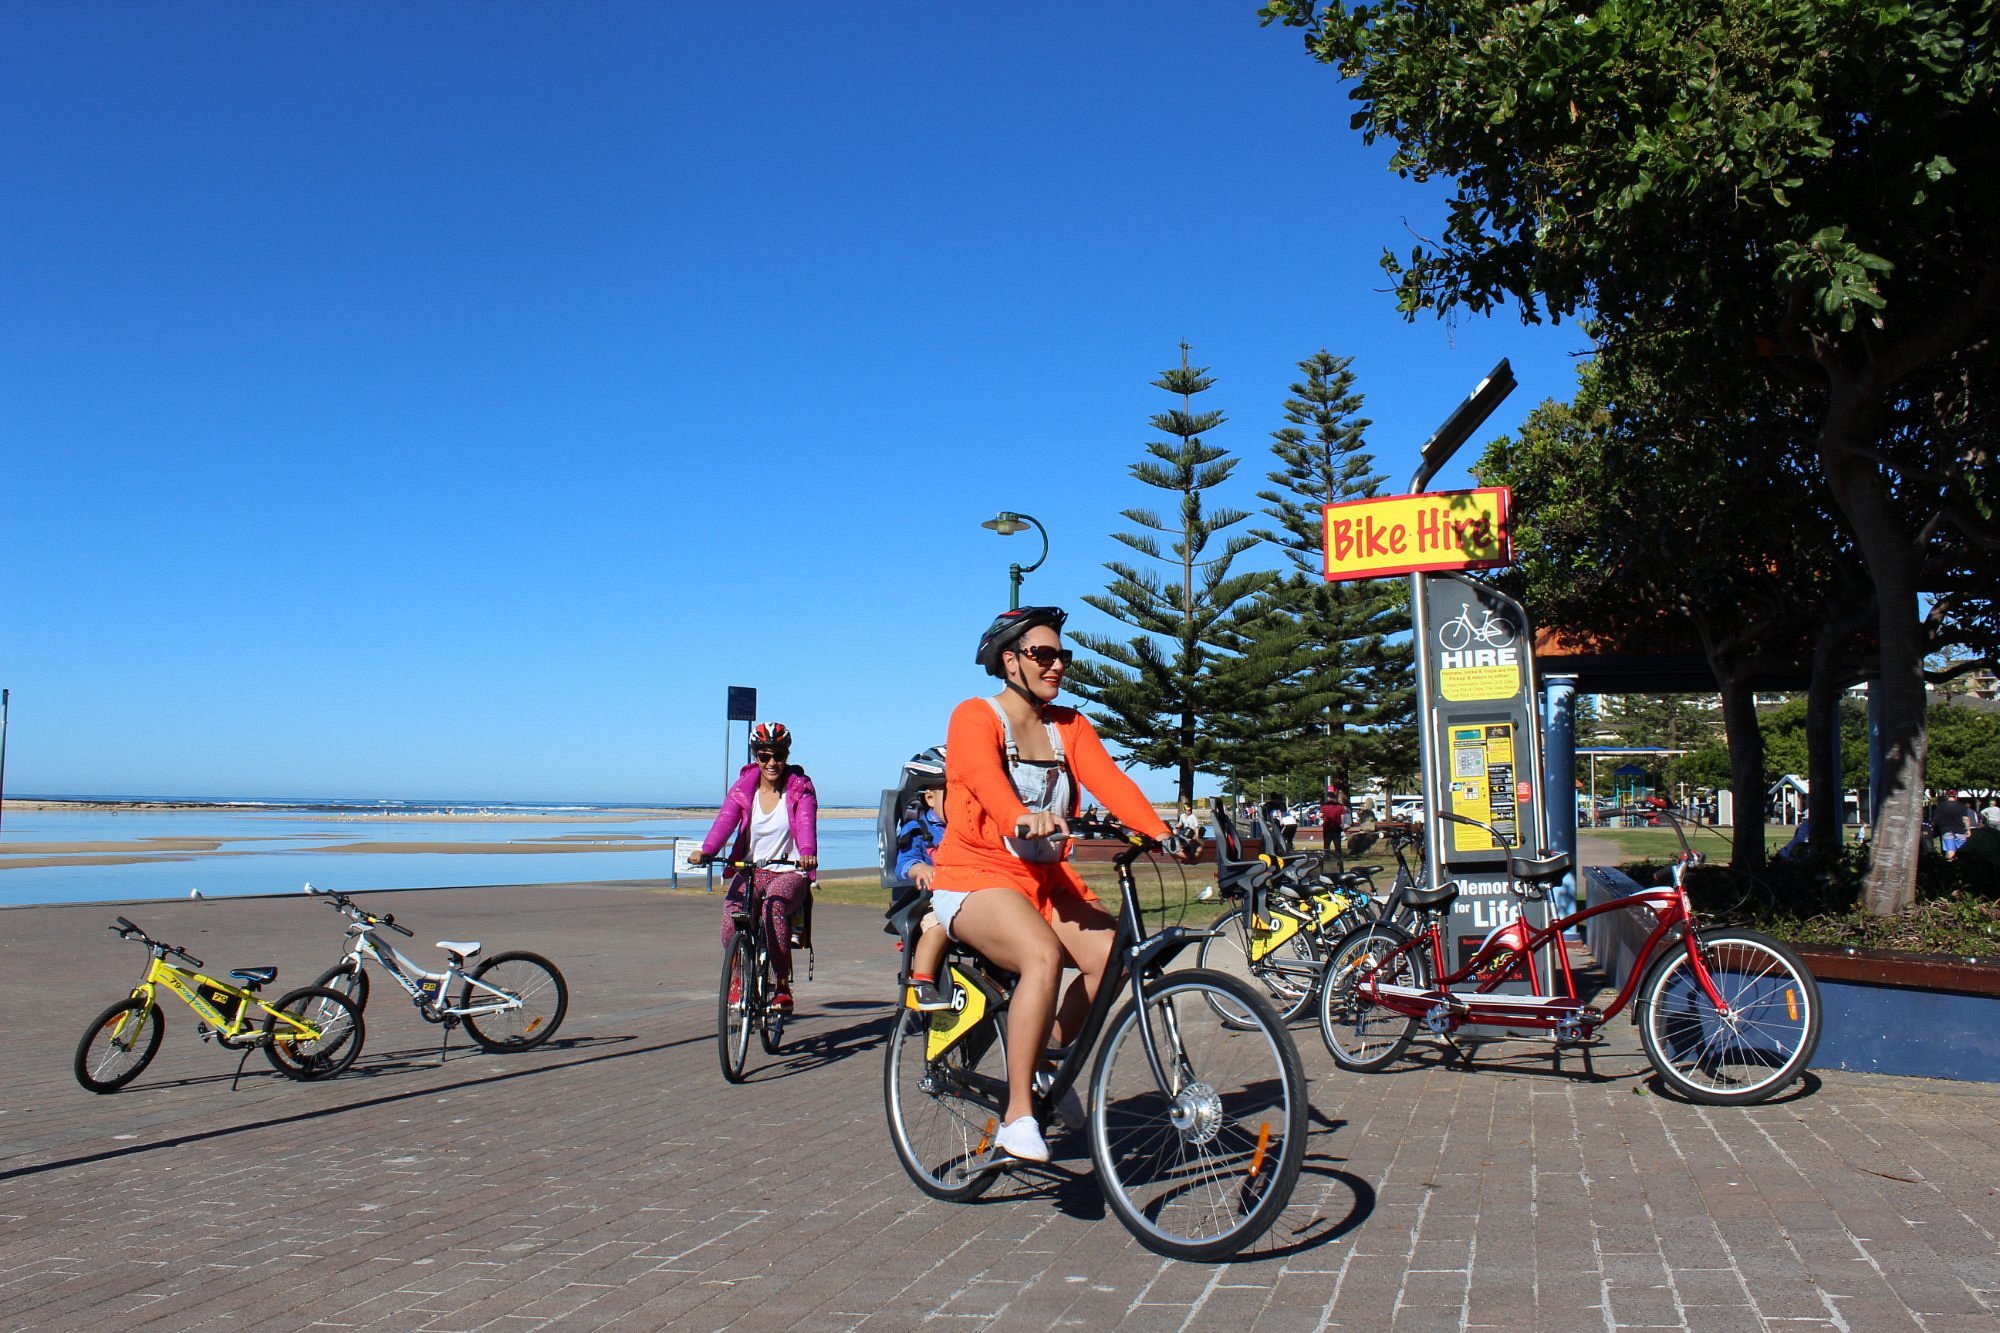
x=1008 y=627
x=772 y=736
x=925 y=770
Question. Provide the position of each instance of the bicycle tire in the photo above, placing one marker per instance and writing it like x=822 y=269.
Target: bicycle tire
x=1360 y=1036
x=734 y=1021
x=350 y=979
x=770 y=1023
x=540 y=994
x=1454 y=636
x=943 y=1113
x=311 y=1059
x=117 y=1047
x=1765 y=1044
x=1204 y=1172
x=1287 y=976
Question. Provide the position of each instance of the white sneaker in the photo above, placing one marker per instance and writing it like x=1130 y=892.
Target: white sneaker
x=1069 y=1111
x=1023 y=1139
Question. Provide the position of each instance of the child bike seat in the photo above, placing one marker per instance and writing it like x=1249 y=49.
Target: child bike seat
x=463 y=948
x=254 y=976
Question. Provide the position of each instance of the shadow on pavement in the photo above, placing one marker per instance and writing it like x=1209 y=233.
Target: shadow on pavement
x=388 y=1099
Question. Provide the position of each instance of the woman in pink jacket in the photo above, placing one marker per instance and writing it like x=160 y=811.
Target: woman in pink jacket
x=774 y=813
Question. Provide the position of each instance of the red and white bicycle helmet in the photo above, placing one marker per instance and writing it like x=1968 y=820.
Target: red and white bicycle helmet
x=772 y=736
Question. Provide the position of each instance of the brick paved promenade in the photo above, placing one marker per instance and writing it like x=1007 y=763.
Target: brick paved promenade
x=614 y=1179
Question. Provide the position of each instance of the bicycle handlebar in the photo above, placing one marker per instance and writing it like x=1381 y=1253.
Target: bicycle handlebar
x=126 y=930
x=340 y=902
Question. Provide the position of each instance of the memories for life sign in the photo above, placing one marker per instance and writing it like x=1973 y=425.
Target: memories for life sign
x=1415 y=534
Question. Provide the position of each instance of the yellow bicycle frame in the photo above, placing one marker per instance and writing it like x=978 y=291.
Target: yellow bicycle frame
x=204 y=994
x=1286 y=921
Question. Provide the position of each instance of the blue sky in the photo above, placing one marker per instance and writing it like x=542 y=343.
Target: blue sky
x=451 y=400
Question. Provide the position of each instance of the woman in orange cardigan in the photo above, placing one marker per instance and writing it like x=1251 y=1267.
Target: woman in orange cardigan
x=1002 y=884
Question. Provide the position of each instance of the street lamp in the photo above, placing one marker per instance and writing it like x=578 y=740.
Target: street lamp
x=1007 y=523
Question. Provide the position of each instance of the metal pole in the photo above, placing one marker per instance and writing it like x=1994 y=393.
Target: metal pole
x=4 y=696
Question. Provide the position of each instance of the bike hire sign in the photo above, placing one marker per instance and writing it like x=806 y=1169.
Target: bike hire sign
x=1413 y=534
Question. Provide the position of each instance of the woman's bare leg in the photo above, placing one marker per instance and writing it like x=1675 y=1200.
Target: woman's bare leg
x=1004 y=926
x=1086 y=934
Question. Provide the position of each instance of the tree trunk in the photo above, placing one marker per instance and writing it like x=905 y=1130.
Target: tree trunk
x=1863 y=491
x=1746 y=767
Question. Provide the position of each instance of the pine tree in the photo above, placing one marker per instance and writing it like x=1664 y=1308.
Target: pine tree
x=1341 y=693
x=1161 y=694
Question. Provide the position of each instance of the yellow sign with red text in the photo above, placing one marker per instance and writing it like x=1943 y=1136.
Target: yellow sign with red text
x=1412 y=534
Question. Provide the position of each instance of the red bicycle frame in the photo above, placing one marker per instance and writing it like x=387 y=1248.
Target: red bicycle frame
x=1508 y=954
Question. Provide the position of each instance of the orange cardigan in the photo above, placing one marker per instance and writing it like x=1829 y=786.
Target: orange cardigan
x=980 y=803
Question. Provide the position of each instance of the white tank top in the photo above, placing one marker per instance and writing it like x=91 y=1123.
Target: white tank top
x=770 y=831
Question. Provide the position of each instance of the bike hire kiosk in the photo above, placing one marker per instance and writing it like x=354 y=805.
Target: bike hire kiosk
x=1476 y=692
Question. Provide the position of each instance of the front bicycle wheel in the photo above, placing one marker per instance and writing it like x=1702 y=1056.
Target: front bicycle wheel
x=1202 y=1167
x=312 y=1034
x=1758 y=1047
x=118 y=1045
x=735 y=1001
x=771 y=1031
x=1285 y=976
x=944 y=1110
x=1361 y=1035
x=533 y=995
x=349 y=979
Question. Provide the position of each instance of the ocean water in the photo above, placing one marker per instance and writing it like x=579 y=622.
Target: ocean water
x=278 y=848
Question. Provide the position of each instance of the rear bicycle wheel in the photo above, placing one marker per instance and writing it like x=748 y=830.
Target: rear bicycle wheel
x=1359 y=1034
x=1202 y=1168
x=118 y=1045
x=734 y=1017
x=308 y=1058
x=537 y=998
x=1769 y=1034
x=349 y=979
x=1286 y=976
x=944 y=1110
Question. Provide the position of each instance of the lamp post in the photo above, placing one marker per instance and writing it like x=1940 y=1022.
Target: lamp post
x=1007 y=523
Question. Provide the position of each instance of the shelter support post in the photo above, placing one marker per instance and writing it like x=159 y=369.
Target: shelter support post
x=1559 y=781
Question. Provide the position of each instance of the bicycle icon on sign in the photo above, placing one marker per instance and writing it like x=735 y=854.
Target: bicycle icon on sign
x=1460 y=633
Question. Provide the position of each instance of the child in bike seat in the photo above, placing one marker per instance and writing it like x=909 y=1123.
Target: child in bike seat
x=1002 y=884
x=917 y=839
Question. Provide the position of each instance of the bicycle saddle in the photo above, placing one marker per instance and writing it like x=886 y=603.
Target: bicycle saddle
x=1553 y=866
x=1438 y=899
x=254 y=976
x=463 y=948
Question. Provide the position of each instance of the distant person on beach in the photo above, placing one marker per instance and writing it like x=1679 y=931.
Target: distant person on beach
x=1003 y=884
x=773 y=812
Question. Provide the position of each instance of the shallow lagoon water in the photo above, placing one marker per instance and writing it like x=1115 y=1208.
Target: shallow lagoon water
x=270 y=852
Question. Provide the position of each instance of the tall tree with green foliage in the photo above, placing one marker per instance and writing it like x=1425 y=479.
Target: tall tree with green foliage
x=1811 y=186
x=1163 y=694
x=1341 y=692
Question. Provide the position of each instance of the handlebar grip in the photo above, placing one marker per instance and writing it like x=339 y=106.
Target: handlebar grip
x=401 y=930
x=192 y=960
x=123 y=924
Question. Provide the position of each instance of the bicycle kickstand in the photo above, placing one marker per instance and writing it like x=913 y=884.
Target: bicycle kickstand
x=239 y=1066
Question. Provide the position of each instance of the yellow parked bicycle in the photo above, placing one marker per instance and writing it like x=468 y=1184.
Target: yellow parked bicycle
x=310 y=1033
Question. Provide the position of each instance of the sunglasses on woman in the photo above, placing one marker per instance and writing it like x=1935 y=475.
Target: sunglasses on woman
x=766 y=757
x=1045 y=657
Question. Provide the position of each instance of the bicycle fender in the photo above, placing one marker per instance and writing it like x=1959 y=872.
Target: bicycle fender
x=948 y=1026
